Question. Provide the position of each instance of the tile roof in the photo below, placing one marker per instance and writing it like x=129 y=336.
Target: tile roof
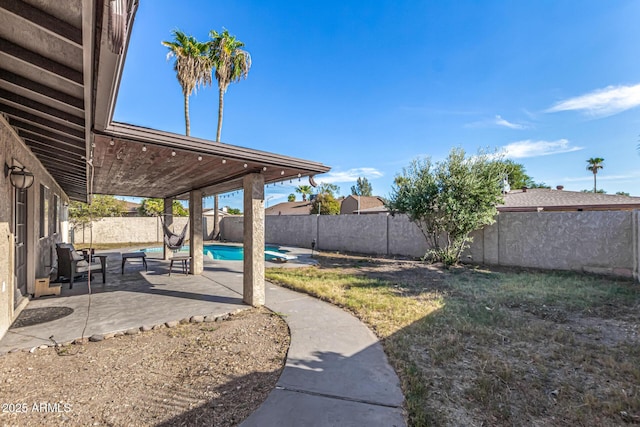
x=558 y=200
x=289 y=208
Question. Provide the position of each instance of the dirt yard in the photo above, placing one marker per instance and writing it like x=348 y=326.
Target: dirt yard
x=192 y=375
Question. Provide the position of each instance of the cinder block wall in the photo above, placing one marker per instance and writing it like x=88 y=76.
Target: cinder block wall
x=133 y=230
x=595 y=241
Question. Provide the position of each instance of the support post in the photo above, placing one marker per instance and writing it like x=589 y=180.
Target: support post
x=167 y=210
x=253 y=278
x=195 y=232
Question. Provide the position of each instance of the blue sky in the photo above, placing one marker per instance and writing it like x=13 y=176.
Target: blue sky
x=366 y=86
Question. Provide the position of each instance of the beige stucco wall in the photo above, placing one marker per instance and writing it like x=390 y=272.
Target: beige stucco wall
x=39 y=250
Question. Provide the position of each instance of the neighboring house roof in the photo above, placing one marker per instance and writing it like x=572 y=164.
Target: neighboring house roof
x=131 y=206
x=537 y=199
x=289 y=208
x=363 y=202
x=212 y=212
x=376 y=210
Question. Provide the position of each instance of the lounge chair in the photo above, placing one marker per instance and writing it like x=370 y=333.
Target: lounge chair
x=278 y=256
x=72 y=264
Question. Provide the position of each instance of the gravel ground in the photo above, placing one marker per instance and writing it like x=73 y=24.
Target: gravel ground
x=192 y=375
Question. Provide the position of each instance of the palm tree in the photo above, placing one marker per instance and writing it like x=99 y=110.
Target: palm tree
x=304 y=190
x=231 y=64
x=595 y=163
x=191 y=65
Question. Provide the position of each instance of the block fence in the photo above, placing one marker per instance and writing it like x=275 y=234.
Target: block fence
x=603 y=242
x=133 y=230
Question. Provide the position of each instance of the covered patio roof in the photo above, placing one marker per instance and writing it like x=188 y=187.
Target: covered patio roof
x=60 y=69
x=135 y=161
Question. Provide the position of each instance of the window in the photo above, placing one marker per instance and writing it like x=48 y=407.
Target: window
x=44 y=211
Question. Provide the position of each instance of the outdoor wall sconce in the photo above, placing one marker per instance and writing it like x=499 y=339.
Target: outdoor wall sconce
x=19 y=177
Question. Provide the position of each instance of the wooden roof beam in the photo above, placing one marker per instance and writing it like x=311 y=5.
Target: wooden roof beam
x=40 y=62
x=41 y=89
x=47 y=22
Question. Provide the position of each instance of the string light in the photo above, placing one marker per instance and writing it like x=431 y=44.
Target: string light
x=199 y=158
x=173 y=154
x=112 y=142
x=282 y=173
x=264 y=168
x=224 y=161
x=144 y=148
x=245 y=165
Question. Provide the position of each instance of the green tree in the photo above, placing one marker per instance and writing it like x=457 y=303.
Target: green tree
x=101 y=206
x=518 y=177
x=233 y=211
x=539 y=185
x=191 y=64
x=231 y=64
x=362 y=187
x=305 y=190
x=600 y=191
x=291 y=197
x=449 y=200
x=622 y=193
x=325 y=204
x=155 y=207
x=326 y=188
x=595 y=163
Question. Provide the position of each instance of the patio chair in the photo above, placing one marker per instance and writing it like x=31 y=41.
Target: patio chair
x=174 y=241
x=72 y=264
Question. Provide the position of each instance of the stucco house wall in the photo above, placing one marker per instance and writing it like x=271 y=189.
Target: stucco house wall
x=40 y=251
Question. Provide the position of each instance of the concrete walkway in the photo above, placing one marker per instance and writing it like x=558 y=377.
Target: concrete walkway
x=336 y=372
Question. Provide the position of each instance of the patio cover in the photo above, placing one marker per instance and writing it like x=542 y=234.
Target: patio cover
x=60 y=68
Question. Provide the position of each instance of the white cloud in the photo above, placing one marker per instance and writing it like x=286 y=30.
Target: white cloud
x=602 y=102
x=502 y=122
x=350 y=175
x=528 y=148
x=497 y=121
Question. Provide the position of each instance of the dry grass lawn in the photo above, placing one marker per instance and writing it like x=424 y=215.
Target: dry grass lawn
x=476 y=346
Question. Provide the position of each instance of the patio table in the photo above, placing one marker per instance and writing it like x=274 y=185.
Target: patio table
x=131 y=255
x=184 y=259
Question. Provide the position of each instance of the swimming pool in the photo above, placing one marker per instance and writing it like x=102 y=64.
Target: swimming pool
x=224 y=252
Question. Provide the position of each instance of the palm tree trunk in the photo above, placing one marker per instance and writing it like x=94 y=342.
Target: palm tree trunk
x=220 y=110
x=216 y=220
x=186 y=114
x=218 y=132
x=594 y=182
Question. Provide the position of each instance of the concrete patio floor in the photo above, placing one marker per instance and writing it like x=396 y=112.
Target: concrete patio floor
x=136 y=298
x=336 y=372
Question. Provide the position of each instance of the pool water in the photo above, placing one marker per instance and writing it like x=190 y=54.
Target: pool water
x=224 y=252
